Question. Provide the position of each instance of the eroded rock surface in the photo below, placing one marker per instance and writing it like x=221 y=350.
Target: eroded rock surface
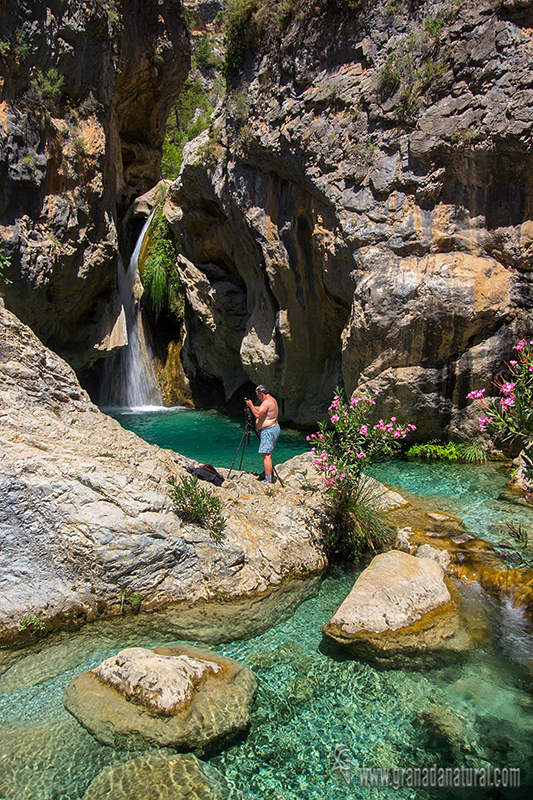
x=172 y=696
x=87 y=526
x=359 y=215
x=400 y=613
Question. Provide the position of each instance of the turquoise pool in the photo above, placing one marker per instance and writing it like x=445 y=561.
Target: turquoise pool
x=313 y=702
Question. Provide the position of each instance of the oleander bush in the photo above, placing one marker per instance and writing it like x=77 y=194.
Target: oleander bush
x=510 y=417
x=343 y=449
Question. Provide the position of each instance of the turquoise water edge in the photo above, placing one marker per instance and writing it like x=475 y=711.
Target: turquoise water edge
x=319 y=716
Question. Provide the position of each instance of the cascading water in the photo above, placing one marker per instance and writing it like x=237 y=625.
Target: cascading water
x=129 y=379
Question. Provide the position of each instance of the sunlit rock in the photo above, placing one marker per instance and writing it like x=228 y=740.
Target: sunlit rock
x=400 y=614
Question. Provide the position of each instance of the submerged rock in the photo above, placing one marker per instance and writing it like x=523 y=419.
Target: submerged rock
x=171 y=696
x=400 y=614
x=182 y=777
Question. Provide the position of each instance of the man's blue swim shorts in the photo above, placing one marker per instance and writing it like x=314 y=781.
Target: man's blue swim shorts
x=269 y=437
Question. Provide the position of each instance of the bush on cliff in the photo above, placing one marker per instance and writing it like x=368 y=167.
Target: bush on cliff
x=46 y=88
x=158 y=272
x=190 y=116
x=343 y=450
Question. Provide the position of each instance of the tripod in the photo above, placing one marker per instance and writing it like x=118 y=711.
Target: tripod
x=245 y=439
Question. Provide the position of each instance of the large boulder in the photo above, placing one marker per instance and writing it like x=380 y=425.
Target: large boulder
x=182 y=777
x=171 y=696
x=400 y=614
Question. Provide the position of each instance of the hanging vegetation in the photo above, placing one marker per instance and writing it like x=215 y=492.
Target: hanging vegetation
x=158 y=271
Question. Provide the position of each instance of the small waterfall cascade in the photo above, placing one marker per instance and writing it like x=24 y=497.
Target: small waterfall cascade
x=129 y=379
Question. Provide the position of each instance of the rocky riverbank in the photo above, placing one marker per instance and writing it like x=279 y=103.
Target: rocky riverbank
x=87 y=524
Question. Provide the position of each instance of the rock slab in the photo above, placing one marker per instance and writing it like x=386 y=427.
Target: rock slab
x=170 y=697
x=400 y=614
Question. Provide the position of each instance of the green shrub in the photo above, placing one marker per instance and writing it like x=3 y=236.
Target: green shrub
x=434 y=26
x=196 y=504
x=236 y=17
x=32 y=623
x=133 y=599
x=471 y=452
x=47 y=88
x=5 y=263
x=190 y=116
x=353 y=525
x=171 y=160
x=390 y=74
x=204 y=53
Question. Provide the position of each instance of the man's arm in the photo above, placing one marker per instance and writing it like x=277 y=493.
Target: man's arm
x=258 y=411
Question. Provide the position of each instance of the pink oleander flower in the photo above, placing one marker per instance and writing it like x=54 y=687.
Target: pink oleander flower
x=375 y=391
x=513 y=363
x=477 y=394
x=483 y=422
x=507 y=403
x=393 y=419
x=361 y=454
x=507 y=388
x=364 y=430
x=520 y=345
x=335 y=418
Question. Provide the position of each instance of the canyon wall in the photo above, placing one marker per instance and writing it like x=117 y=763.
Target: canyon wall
x=360 y=211
x=85 y=90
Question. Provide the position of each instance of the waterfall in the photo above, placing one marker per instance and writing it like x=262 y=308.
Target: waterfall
x=129 y=379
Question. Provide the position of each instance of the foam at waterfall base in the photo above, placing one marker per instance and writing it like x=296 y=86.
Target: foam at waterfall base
x=139 y=409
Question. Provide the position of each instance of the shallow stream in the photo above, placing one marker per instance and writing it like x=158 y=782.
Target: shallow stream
x=315 y=710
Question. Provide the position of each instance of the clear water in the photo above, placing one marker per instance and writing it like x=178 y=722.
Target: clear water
x=312 y=698
x=207 y=436
x=473 y=493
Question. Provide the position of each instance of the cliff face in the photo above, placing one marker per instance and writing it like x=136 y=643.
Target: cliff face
x=85 y=92
x=360 y=213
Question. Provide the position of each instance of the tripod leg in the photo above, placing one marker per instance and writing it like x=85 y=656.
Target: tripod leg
x=275 y=472
x=237 y=453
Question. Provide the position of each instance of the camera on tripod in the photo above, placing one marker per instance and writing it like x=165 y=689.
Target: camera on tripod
x=248 y=415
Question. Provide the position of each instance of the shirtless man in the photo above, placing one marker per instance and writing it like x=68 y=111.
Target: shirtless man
x=266 y=416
